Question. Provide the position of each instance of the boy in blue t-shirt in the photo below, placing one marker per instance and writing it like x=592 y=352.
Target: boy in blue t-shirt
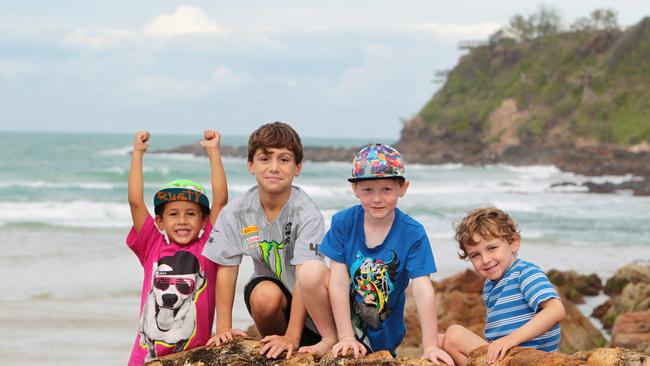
x=523 y=308
x=375 y=250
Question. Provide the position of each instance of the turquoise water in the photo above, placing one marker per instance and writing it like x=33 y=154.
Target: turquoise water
x=64 y=216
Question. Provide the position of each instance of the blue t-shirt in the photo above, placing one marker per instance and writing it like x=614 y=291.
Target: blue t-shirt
x=514 y=299
x=379 y=276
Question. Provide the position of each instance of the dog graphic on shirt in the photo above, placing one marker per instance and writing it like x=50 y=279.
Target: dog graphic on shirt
x=169 y=314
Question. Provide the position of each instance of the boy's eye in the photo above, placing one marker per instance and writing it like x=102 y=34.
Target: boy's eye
x=492 y=247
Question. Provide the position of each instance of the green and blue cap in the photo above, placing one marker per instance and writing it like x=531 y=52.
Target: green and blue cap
x=377 y=161
x=181 y=190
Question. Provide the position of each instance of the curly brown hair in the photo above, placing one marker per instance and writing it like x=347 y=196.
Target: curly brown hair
x=275 y=135
x=488 y=223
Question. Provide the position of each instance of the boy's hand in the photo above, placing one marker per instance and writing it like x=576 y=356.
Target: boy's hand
x=435 y=354
x=498 y=349
x=348 y=343
x=211 y=139
x=140 y=143
x=225 y=336
x=276 y=344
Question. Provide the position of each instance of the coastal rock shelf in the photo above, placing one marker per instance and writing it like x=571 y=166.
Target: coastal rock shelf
x=245 y=351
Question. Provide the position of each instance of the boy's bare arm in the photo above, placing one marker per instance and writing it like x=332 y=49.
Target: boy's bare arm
x=212 y=144
x=276 y=344
x=225 y=294
x=425 y=303
x=339 y=287
x=552 y=313
x=136 y=180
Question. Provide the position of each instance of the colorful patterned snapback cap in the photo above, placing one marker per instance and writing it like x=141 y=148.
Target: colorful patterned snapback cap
x=377 y=161
x=181 y=190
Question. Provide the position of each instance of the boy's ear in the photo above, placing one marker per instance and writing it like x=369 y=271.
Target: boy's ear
x=403 y=187
x=158 y=220
x=298 y=168
x=354 y=190
x=516 y=244
x=249 y=164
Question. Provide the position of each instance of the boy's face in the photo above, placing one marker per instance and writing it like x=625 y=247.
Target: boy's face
x=182 y=221
x=274 y=169
x=378 y=197
x=491 y=258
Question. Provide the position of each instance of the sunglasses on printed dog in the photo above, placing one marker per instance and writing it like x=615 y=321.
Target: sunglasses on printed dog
x=184 y=285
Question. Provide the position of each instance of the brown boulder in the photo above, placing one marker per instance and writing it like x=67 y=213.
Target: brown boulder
x=637 y=272
x=577 y=332
x=632 y=330
x=635 y=297
x=575 y=286
x=519 y=356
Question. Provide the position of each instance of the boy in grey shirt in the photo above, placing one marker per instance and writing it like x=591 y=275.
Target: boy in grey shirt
x=280 y=228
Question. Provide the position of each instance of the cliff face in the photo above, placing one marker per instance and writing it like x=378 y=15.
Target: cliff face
x=581 y=94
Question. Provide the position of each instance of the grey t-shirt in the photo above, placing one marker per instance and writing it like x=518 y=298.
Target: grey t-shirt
x=277 y=246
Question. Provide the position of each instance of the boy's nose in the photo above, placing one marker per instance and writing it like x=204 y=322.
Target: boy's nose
x=274 y=164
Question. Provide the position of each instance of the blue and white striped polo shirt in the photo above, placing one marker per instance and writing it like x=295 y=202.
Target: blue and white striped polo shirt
x=514 y=300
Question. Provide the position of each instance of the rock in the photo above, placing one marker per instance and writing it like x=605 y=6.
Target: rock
x=577 y=332
x=634 y=273
x=635 y=297
x=245 y=351
x=613 y=357
x=460 y=301
x=574 y=286
x=310 y=153
x=632 y=331
x=519 y=356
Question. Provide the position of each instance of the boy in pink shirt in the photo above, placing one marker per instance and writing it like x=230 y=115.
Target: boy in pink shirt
x=178 y=289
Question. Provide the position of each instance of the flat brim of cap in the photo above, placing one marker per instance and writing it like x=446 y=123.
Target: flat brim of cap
x=354 y=180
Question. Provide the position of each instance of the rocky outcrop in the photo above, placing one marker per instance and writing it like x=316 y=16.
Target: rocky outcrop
x=574 y=286
x=310 y=153
x=245 y=351
x=629 y=289
x=632 y=331
x=459 y=300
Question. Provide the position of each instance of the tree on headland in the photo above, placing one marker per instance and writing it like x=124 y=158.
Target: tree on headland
x=599 y=19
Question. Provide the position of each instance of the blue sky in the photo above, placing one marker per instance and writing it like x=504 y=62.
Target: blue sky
x=331 y=69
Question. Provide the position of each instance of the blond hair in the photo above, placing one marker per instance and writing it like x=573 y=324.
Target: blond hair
x=488 y=223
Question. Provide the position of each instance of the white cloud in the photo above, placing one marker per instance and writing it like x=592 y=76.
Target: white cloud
x=455 y=32
x=14 y=68
x=156 y=88
x=99 y=38
x=186 y=20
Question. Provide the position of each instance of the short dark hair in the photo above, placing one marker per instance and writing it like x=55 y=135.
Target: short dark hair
x=275 y=135
x=489 y=223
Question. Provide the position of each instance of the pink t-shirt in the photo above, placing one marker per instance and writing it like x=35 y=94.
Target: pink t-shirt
x=178 y=293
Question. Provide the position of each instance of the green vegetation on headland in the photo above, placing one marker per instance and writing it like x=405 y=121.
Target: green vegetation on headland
x=535 y=87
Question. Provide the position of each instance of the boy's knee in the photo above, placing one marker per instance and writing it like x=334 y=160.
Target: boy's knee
x=266 y=301
x=452 y=335
x=312 y=274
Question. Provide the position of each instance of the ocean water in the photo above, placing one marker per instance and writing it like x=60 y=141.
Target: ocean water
x=71 y=290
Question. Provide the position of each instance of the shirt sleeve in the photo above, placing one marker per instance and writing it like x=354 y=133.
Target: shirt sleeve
x=536 y=287
x=223 y=246
x=420 y=260
x=332 y=244
x=142 y=241
x=308 y=239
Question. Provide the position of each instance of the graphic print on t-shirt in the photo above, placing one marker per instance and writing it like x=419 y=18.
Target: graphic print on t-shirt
x=372 y=285
x=168 y=318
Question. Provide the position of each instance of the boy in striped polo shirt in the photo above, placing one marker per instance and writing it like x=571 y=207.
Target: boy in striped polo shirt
x=523 y=308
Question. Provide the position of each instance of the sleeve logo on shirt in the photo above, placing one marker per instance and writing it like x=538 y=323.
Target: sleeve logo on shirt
x=249 y=230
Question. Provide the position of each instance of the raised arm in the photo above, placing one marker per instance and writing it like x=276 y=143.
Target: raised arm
x=552 y=313
x=136 y=181
x=339 y=287
x=425 y=303
x=225 y=293
x=212 y=144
